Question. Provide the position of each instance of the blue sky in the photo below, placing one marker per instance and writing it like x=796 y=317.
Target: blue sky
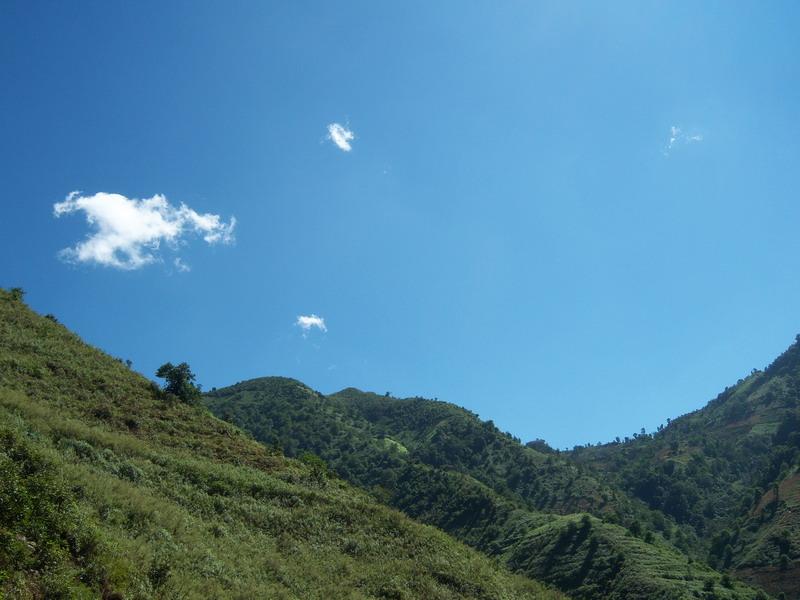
x=574 y=219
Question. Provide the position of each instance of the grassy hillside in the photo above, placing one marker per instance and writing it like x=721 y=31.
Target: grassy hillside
x=730 y=470
x=441 y=465
x=435 y=433
x=109 y=488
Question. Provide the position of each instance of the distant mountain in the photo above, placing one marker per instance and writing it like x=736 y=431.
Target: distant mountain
x=441 y=465
x=110 y=488
x=730 y=471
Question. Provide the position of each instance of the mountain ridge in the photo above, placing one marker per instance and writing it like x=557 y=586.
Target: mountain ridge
x=111 y=488
x=440 y=464
x=100 y=452
x=729 y=470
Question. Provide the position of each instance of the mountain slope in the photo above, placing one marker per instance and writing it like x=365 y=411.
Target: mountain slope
x=109 y=488
x=441 y=465
x=435 y=433
x=730 y=470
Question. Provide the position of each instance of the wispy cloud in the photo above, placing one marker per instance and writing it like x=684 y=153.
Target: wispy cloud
x=678 y=137
x=127 y=233
x=341 y=136
x=307 y=322
x=181 y=266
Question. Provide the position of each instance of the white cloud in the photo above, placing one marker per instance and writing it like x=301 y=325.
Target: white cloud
x=307 y=322
x=678 y=137
x=181 y=266
x=341 y=136
x=128 y=232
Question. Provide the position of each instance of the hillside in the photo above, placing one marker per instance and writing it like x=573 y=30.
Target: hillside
x=729 y=470
x=441 y=465
x=435 y=433
x=110 y=488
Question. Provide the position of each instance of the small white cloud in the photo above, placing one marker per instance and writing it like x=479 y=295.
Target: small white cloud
x=341 y=136
x=307 y=322
x=128 y=232
x=677 y=137
x=181 y=266
x=674 y=132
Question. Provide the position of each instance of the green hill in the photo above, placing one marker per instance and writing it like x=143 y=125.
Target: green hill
x=110 y=488
x=730 y=471
x=441 y=465
x=435 y=433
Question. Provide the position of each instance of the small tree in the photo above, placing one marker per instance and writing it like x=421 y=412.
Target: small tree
x=635 y=528
x=319 y=469
x=783 y=562
x=727 y=556
x=179 y=381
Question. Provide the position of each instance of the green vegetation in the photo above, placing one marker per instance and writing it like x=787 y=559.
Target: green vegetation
x=179 y=382
x=441 y=465
x=112 y=486
x=356 y=432
x=110 y=489
x=731 y=471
